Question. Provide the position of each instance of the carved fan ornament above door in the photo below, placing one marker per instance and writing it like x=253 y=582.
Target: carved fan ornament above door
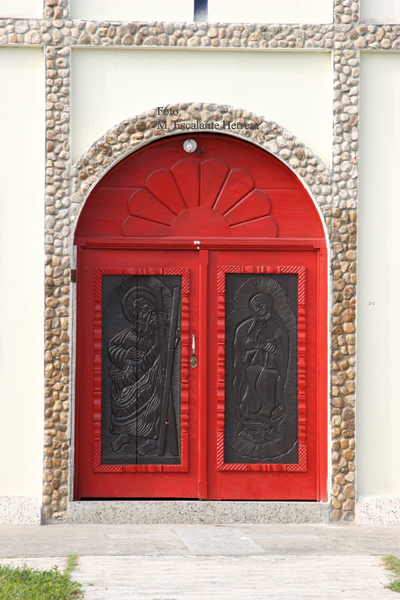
x=193 y=197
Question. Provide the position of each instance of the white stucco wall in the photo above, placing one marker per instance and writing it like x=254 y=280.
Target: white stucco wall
x=382 y=11
x=273 y=11
x=133 y=10
x=378 y=350
x=21 y=267
x=291 y=88
x=21 y=8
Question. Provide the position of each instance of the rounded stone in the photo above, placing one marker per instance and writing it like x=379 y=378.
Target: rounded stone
x=349 y=490
x=339 y=479
x=351 y=255
x=348 y=414
x=337 y=402
x=348 y=454
x=48 y=475
x=47 y=512
x=127 y=40
x=348 y=315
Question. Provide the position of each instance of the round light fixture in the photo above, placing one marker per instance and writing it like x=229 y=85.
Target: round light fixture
x=189 y=145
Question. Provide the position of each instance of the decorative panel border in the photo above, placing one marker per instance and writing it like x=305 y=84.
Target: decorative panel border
x=185 y=354
x=302 y=400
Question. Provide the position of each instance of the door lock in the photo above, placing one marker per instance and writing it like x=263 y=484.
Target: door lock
x=193 y=359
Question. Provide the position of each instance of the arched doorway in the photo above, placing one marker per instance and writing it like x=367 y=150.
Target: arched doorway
x=201 y=328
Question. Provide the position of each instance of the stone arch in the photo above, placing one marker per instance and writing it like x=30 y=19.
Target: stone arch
x=117 y=144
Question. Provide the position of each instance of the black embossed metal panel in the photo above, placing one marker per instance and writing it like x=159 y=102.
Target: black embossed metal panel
x=140 y=418
x=261 y=407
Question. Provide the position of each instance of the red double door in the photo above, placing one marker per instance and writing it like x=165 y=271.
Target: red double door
x=201 y=328
x=200 y=374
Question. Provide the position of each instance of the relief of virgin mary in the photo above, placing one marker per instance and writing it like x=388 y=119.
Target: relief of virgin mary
x=260 y=371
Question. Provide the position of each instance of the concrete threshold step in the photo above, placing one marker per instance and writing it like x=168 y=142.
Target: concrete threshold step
x=196 y=511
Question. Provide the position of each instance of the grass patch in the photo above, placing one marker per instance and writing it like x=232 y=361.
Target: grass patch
x=24 y=583
x=392 y=563
x=71 y=564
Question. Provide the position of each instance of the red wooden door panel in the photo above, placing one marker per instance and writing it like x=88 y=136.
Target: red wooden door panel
x=129 y=394
x=264 y=425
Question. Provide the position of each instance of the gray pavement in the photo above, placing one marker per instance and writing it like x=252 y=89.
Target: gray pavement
x=212 y=562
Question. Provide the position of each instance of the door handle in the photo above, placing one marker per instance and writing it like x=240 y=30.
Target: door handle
x=193 y=359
